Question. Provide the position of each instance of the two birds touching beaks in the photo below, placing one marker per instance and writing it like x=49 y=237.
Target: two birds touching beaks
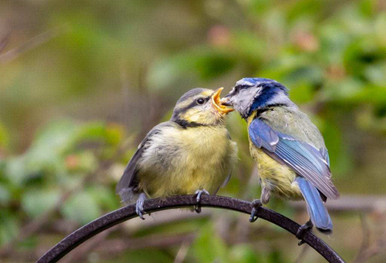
x=193 y=153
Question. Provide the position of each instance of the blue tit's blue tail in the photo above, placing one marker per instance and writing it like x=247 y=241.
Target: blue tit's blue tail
x=315 y=207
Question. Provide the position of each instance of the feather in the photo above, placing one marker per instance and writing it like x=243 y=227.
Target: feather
x=128 y=182
x=315 y=207
x=302 y=157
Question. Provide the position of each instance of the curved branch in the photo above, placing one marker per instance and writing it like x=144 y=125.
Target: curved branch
x=152 y=205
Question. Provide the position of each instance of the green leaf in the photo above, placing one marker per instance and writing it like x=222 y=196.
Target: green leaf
x=81 y=208
x=15 y=169
x=53 y=139
x=276 y=256
x=36 y=202
x=8 y=226
x=187 y=68
x=4 y=138
x=244 y=253
x=104 y=197
x=340 y=160
x=208 y=246
x=4 y=195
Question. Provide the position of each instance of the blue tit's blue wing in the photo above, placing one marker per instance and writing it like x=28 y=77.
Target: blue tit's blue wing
x=306 y=160
x=324 y=153
x=263 y=136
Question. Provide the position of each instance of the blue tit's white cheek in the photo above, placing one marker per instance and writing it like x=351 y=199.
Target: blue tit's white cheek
x=243 y=100
x=281 y=98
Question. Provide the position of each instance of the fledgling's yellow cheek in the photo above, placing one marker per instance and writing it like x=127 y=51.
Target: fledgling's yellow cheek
x=206 y=115
x=194 y=117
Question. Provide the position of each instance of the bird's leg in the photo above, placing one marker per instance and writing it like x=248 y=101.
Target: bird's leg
x=198 y=194
x=264 y=199
x=265 y=195
x=139 y=205
x=255 y=206
x=303 y=229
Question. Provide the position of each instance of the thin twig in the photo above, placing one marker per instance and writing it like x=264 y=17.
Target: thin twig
x=378 y=247
x=4 y=41
x=367 y=250
x=125 y=91
x=302 y=254
x=361 y=203
x=365 y=236
x=30 y=44
x=183 y=251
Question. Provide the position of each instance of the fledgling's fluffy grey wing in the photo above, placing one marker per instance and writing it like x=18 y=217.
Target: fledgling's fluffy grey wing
x=126 y=187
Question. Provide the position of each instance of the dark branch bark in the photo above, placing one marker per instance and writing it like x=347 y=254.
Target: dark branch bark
x=153 y=205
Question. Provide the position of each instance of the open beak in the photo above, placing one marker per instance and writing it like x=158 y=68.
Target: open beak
x=218 y=105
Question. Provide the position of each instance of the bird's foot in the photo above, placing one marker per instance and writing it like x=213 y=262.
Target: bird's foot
x=303 y=229
x=256 y=204
x=198 y=194
x=139 y=205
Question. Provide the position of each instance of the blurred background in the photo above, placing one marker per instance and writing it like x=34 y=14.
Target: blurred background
x=81 y=83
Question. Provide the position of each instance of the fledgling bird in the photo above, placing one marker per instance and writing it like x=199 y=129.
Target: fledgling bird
x=288 y=148
x=192 y=153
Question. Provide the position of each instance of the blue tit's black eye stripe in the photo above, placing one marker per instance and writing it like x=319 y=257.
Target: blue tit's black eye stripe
x=194 y=103
x=190 y=94
x=239 y=87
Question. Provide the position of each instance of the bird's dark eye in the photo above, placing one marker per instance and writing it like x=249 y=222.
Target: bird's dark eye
x=235 y=90
x=200 y=101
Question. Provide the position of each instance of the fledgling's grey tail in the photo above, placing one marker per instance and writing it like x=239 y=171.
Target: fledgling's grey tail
x=127 y=195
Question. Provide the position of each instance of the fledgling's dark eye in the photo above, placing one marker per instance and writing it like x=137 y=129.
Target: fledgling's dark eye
x=200 y=101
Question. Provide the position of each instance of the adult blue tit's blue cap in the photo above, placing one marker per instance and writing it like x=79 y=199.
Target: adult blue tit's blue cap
x=254 y=81
x=264 y=82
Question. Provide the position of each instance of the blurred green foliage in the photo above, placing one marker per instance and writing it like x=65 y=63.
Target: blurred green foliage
x=83 y=81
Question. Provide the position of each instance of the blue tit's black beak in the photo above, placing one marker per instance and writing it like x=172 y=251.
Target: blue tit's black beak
x=226 y=101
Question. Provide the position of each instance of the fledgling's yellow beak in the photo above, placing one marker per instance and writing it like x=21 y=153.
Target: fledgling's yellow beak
x=216 y=102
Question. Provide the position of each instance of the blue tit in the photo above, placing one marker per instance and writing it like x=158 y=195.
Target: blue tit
x=288 y=148
x=190 y=153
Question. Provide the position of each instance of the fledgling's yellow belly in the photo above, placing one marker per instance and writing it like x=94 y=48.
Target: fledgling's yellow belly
x=276 y=177
x=203 y=161
x=187 y=179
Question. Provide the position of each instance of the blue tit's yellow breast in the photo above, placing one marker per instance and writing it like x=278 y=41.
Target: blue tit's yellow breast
x=276 y=177
x=202 y=158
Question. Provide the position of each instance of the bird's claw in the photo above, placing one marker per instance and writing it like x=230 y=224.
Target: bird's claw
x=256 y=204
x=139 y=211
x=198 y=194
x=303 y=229
x=139 y=206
